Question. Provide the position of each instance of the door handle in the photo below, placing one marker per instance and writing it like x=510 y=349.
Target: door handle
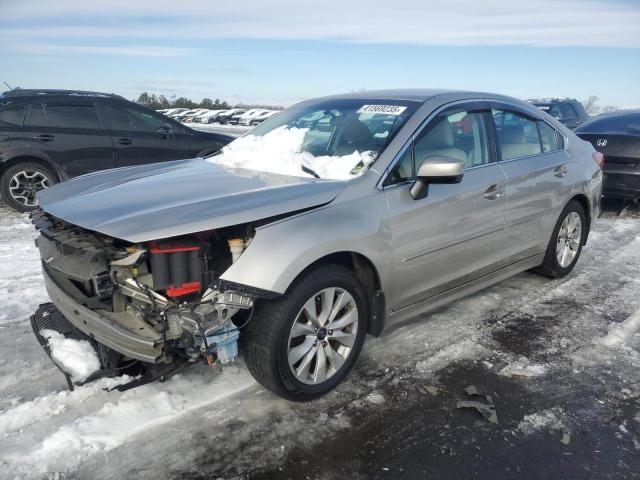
x=45 y=137
x=124 y=141
x=494 y=192
x=560 y=171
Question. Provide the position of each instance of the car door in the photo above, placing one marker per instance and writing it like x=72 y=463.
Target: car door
x=71 y=134
x=539 y=179
x=454 y=234
x=141 y=136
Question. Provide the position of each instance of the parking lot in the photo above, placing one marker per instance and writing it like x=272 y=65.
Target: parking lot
x=555 y=364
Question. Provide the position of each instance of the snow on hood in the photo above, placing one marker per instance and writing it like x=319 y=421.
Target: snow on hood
x=280 y=151
x=76 y=357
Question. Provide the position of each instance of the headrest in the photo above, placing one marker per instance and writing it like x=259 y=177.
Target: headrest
x=354 y=131
x=512 y=134
x=440 y=136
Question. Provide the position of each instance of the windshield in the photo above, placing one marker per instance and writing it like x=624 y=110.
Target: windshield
x=330 y=139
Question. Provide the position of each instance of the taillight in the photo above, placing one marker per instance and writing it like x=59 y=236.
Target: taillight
x=599 y=159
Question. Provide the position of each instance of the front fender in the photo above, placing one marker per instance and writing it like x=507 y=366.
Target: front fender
x=280 y=251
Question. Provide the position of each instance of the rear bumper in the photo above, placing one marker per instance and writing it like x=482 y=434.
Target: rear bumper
x=102 y=329
x=622 y=182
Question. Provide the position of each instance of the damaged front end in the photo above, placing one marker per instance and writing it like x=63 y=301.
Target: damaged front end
x=158 y=303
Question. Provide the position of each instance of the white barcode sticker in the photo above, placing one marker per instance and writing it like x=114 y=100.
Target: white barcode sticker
x=383 y=109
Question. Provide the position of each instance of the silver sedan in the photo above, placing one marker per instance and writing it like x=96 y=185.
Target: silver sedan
x=334 y=219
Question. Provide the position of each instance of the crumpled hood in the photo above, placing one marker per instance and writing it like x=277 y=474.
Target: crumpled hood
x=169 y=199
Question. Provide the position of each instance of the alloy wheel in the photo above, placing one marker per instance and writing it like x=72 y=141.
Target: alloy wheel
x=24 y=185
x=569 y=238
x=323 y=335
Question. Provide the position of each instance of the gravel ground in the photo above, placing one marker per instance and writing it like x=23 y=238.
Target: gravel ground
x=554 y=365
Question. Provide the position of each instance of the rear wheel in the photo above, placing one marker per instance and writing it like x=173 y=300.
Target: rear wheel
x=566 y=242
x=303 y=344
x=21 y=182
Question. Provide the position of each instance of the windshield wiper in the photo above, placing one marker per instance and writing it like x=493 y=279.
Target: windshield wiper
x=309 y=171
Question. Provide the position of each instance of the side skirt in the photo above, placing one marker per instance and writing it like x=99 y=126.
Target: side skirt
x=408 y=313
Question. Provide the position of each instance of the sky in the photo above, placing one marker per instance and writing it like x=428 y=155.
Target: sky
x=281 y=51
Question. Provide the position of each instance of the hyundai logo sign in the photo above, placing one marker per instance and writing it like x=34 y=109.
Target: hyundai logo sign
x=601 y=142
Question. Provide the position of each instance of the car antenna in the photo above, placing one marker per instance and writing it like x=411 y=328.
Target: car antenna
x=10 y=87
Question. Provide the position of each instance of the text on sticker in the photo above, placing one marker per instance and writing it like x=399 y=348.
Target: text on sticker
x=385 y=109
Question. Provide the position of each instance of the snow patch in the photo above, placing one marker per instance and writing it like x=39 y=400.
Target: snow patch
x=464 y=350
x=619 y=333
x=47 y=406
x=522 y=368
x=376 y=398
x=135 y=412
x=545 y=420
x=76 y=357
x=280 y=151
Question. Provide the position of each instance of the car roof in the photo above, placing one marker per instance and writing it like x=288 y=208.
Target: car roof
x=412 y=94
x=42 y=93
x=418 y=95
x=551 y=100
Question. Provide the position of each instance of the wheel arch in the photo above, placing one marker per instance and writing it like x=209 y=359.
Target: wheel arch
x=29 y=158
x=583 y=200
x=367 y=273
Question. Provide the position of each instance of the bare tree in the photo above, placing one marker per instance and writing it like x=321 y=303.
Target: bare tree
x=590 y=104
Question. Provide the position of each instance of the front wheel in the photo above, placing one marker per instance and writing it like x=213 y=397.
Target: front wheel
x=303 y=344
x=566 y=242
x=21 y=182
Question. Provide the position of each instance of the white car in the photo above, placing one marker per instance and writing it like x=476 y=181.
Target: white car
x=226 y=116
x=262 y=117
x=190 y=117
x=170 y=112
x=246 y=117
x=182 y=115
x=209 y=117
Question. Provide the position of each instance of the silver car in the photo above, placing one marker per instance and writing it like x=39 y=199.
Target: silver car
x=335 y=219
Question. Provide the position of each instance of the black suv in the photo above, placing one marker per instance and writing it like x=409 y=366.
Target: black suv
x=47 y=136
x=567 y=111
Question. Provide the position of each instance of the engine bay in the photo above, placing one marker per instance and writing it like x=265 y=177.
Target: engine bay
x=166 y=293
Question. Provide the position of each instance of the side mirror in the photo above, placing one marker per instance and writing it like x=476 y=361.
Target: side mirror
x=436 y=170
x=164 y=131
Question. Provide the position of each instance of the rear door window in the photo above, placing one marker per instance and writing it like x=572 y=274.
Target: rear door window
x=550 y=138
x=517 y=135
x=76 y=116
x=12 y=116
x=36 y=116
x=72 y=116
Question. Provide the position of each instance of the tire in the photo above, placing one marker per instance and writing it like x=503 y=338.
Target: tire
x=552 y=266
x=35 y=177
x=269 y=341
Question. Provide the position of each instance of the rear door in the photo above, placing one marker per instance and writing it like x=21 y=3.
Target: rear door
x=141 y=136
x=71 y=134
x=539 y=179
x=454 y=234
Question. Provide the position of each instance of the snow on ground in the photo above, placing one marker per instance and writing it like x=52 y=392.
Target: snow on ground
x=545 y=420
x=222 y=424
x=280 y=151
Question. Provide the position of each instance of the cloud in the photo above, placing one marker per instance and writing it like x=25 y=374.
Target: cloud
x=146 y=51
x=599 y=23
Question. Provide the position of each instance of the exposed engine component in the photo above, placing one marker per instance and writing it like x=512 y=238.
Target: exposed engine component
x=236 y=245
x=164 y=296
x=176 y=268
